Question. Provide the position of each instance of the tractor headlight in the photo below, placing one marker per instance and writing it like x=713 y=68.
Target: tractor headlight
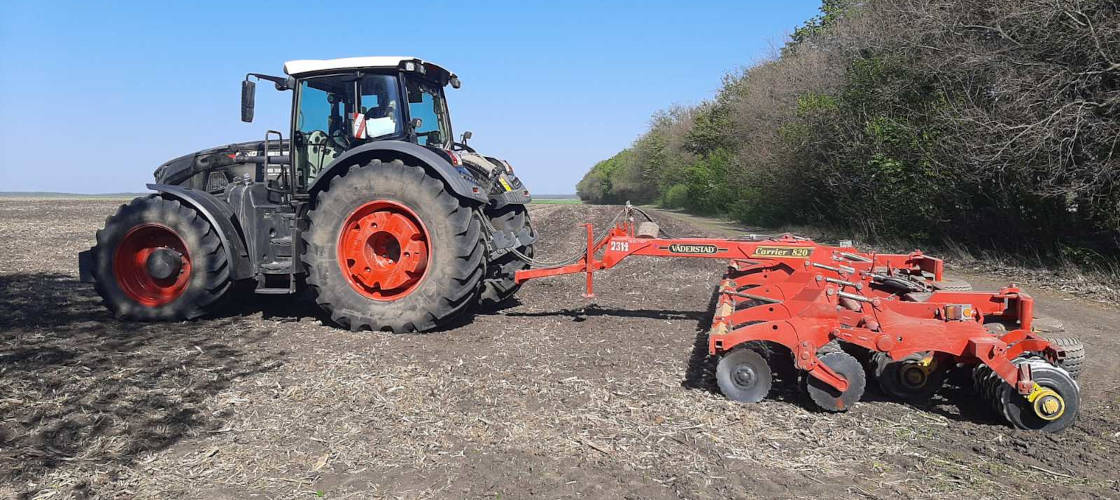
x=416 y=66
x=509 y=168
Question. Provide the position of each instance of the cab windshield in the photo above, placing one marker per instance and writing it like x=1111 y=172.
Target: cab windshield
x=425 y=101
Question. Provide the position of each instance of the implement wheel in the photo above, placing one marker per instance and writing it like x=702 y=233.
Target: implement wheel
x=388 y=247
x=828 y=398
x=744 y=375
x=1075 y=354
x=157 y=259
x=1054 y=405
x=953 y=286
x=914 y=378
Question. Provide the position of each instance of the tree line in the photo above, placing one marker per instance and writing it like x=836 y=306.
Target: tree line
x=994 y=124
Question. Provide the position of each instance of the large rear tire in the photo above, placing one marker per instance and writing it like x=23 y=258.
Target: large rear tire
x=389 y=248
x=499 y=285
x=157 y=259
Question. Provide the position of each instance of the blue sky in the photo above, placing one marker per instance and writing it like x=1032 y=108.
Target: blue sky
x=94 y=97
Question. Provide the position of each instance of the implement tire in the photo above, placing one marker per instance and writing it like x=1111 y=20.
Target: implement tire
x=953 y=286
x=159 y=260
x=1075 y=354
x=388 y=247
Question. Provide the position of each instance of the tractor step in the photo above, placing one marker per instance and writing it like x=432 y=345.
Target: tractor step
x=277 y=266
x=273 y=291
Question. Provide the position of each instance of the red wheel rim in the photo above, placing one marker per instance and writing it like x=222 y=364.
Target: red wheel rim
x=130 y=265
x=383 y=250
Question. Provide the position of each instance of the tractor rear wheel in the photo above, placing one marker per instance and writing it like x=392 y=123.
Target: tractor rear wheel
x=499 y=285
x=157 y=259
x=389 y=248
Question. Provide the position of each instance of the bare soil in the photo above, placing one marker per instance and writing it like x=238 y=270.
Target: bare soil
x=554 y=396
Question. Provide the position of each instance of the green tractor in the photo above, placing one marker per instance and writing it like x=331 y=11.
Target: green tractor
x=391 y=223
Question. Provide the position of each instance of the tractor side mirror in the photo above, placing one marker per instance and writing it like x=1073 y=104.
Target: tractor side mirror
x=466 y=136
x=248 y=98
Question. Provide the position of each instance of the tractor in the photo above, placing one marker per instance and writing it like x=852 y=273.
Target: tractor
x=370 y=205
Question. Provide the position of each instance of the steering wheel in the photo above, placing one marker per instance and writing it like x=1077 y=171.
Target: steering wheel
x=339 y=137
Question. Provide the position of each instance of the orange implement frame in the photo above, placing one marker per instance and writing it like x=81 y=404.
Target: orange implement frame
x=802 y=294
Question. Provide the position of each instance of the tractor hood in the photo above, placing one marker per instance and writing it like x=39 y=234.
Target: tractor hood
x=178 y=170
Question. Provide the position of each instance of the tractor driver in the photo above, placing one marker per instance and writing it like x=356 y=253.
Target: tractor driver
x=379 y=114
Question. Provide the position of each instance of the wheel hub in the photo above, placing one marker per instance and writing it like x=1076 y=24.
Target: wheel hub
x=164 y=263
x=383 y=250
x=152 y=265
x=1047 y=404
x=913 y=376
x=744 y=376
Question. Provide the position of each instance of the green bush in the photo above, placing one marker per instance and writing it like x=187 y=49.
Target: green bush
x=675 y=197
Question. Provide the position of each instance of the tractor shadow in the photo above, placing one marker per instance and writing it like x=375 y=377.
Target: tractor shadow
x=955 y=401
x=280 y=308
x=700 y=372
x=81 y=389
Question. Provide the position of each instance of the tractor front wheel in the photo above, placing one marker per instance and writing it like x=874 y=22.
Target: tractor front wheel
x=157 y=259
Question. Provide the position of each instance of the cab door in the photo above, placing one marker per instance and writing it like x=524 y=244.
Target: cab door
x=320 y=128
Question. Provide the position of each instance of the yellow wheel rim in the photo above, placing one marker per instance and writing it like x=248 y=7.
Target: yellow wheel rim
x=1047 y=404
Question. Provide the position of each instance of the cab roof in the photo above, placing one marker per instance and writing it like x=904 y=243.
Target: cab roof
x=306 y=66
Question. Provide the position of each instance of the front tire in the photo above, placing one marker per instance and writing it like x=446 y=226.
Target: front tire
x=388 y=247
x=157 y=259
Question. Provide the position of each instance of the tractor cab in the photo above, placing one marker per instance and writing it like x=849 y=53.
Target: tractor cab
x=342 y=104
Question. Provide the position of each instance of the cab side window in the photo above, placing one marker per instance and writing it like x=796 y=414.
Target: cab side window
x=321 y=123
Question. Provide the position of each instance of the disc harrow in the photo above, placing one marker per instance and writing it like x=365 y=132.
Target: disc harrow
x=824 y=303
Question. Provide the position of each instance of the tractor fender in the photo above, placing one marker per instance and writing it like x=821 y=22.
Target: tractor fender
x=459 y=180
x=221 y=217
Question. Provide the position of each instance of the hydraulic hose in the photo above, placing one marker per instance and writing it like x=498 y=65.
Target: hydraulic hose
x=570 y=260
